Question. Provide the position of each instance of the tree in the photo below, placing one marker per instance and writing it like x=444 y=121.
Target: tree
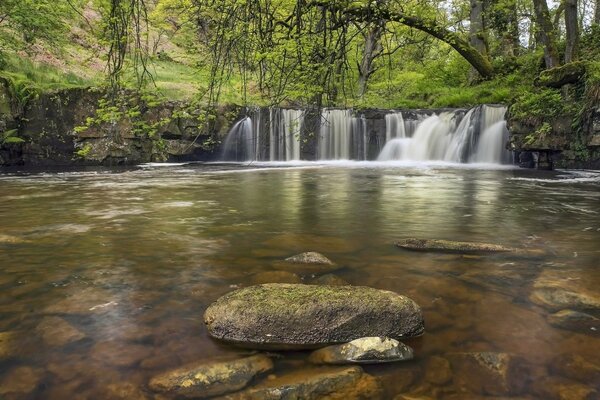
x=572 y=31
x=546 y=33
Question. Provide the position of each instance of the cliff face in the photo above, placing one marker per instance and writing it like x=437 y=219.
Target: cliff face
x=50 y=131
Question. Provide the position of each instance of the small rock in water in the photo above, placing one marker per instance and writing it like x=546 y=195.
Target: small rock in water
x=556 y=289
x=275 y=277
x=205 y=379
x=575 y=321
x=56 y=331
x=488 y=373
x=577 y=368
x=309 y=257
x=349 y=383
x=368 y=350
x=331 y=280
x=286 y=316
x=20 y=381
x=447 y=246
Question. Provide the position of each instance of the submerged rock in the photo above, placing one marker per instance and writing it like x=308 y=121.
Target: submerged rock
x=488 y=373
x=438 y=371
x=316 y=383
x=309 y=257
x=330 y=279
x=275 y=277
x=577 y=368
x=56 y=331
x=202 y=379
x=20 y=381
x=575 y=321
x=558 y=290
x=553 y=388
x=284 y=316
x=448 y=246
x=367 y=350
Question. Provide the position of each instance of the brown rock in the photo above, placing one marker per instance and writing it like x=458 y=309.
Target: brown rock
x=438 y=371
x=563 y=389
x=316 y=383
x=56 y=331
x=212 y=378
x=120 y=354
x=575 y=321
x=487 y=373
x=555 y=290
x=577 y=368
x=448 y=246
x=20 y=380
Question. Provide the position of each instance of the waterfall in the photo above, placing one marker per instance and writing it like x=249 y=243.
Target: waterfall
x=284 y=134
x=394 y=126
x=342 y=136
x=478 y=136
x=240 y=143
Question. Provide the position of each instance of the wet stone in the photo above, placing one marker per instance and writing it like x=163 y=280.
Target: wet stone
x=285 y=316
x=330 y=279
x=275 y=277
x=557 y=290
x=56 y=331
x=205 y=379
x=488 y=373
x=577 y=368
x=119 y=354
x=309 y=257
x=575 y=321
x=448 y=246
x=368 y=350
x=438 y=371
x=553 y=388
x=316 y=383
x=20 y=380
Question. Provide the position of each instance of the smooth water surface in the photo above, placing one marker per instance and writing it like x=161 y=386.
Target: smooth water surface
x=130 y=260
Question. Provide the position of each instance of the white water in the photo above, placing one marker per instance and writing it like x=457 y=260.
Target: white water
x=480 y=136
x=477 y=136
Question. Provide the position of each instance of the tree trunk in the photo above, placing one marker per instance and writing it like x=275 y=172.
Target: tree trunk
x=572 y=31
x=477 y=34
x=546 y=32
x=371 y=50
x=597 y=13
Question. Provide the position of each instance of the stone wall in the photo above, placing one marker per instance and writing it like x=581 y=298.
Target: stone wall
x=50 y=127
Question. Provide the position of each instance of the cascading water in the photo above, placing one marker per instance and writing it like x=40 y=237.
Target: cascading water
x=284 y=133
x=240 y=143
x=342 y=136
x=478 y=136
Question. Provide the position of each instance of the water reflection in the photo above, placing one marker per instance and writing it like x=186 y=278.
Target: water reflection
x=126 y=262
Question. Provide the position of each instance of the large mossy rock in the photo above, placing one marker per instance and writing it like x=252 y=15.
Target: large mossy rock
x=287 y=316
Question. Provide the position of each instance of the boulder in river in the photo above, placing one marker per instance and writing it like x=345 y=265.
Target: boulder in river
x=206 y=379
x=367 y=350
x=287 y=316
x=349 y=383
x=449 y=246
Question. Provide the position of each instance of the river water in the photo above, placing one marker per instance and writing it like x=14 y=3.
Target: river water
x=105 y=274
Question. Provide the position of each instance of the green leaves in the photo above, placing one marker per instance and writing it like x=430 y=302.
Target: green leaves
x=10 y=137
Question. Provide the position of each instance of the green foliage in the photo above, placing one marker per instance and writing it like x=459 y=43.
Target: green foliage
x=10 y=137
x=539 y=105
x=84 y=151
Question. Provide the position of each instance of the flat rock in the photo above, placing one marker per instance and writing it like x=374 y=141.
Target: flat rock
x=20 y=381
x=205 y=379
x=56 y=331
x=448 y=246
x=577 y=368
x=330 y=279
x=575 y=321
x=8 y=344
x=438 y=371
x=275 y=277
x=120 y=354
x=488 y=373
x=285 y=316
x=553 y=388
x=561 y=289
x=367 y=350
x=349 y=383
